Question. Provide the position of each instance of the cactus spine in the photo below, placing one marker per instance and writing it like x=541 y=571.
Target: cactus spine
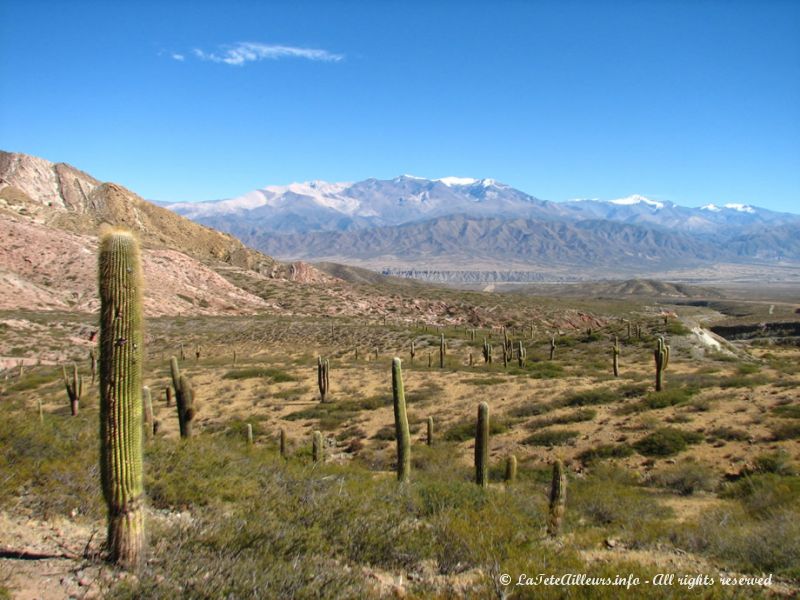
x=401 y=423
x=317 y=448
x=511 y=469
x=323 y=378
x=121 y=357
x=615 y=354
x=482 y=446
x=74 y=388
x=558 y=499
x=662 y=360
x=429 y=439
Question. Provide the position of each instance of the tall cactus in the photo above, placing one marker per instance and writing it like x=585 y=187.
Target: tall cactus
x=552 y=346
x=283 y=445
x=93 y=364
x=442 y=350
x=317 y=447
x=662 y=360
x=184 y=398
x=323 y=378
x=615 y=354
x=413 y=351
x=522 y=354
x=74 y=388
x=401 y=423
x=558 y=499
x=429 y=438
x=482 y=446
x=121 y=356
x=487 y=352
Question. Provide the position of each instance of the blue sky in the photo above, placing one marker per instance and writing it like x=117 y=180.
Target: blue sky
x=693 y=102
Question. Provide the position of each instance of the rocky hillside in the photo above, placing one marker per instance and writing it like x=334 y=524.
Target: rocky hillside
x=51 y=214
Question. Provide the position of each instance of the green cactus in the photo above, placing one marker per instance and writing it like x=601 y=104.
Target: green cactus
x=429 y=439
x=413 y=351
x=74 y=388
x=121 y=350
x=401 y=423
x=552 y=346
x=149 y=423
x=196 y=354
x=184 y=400
x=615 y=354
x=662 y=360
x=558 y=499
x=283 y=445
x=249 y=434
x=168 y=393
x=442 y=350
x=511 y=469
x=522 y=354
x=317 y=447
x=482 y=446
x=93 y=364
x=323 y=378
x=487 y=352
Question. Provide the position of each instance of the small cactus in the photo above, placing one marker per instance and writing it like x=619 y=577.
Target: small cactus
x=552 y=346
x=522 y=354
x=121 y=354
x=413 y=351
x=74 y=386
x=482 y=446
x=317 y=447
x=168 y=394
x=511 y=469
x=184 y=399
x=197 y=354
x=615 y=354
x=283 y=445
x=93 y=364
x=487 y=352
x=662 y=360
x=149 y=423
x=249 y=434
x=401 y=423
x=442 y=350
x=558 y=499
x=429 y=438
x=323 y=378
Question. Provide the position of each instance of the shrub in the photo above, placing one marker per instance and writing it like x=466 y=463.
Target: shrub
x=558 y=437
x=604 y=451
x=275 y=375
x=778 y=462
x=591 y=397
x=685 y=478
x=786 y=431
x=666 y=441
x=576 y=416
x=465 y=430
x=787 y=411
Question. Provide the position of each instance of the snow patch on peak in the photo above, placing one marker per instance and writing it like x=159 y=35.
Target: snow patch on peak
x=711 y=207
x=745 y=208
x=637 y=199
x=451 y=181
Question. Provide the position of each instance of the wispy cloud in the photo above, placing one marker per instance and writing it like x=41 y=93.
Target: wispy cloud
x=244 y=52
x=178 y=57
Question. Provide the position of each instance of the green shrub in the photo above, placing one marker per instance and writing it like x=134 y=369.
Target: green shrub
x=666 y=441
x=685 y=478
x=275 y=375
x=786 y=431
x=787 y=411
x=605 y=451
x=778 y=462
x=591 y=397
x=465 y=430
x=555 y=437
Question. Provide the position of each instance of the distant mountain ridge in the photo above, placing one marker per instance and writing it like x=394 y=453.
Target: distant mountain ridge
x=410 y=223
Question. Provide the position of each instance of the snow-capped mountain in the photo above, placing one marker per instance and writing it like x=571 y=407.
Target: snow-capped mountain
x=322 y=206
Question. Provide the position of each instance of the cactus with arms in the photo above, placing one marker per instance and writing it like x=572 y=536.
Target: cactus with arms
x=74 y=388
x=662 y=360
x=121 y=358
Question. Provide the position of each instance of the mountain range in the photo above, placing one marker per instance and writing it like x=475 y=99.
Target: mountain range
x=476 y=224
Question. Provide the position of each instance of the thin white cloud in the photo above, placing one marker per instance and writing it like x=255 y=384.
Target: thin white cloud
x=244 y=52
x=178 y=57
